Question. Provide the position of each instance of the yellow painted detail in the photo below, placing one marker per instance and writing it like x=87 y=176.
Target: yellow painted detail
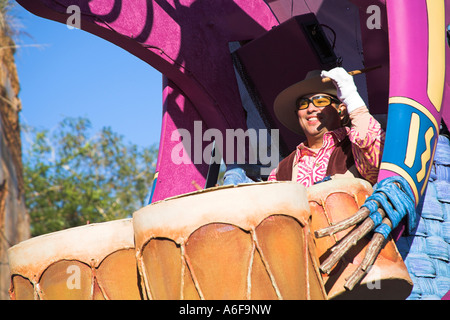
x=426 y=155
x=429 y=169
x=412 y=140
x=436 y=51
x=416 y=105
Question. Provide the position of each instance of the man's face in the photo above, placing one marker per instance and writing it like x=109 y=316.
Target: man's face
x=316 y=121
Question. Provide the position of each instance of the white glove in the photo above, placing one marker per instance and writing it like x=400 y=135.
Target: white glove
x=346 y=88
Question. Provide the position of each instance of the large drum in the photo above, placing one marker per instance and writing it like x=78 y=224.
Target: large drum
x=246 y=242
x=95 y=261
x=333 y=201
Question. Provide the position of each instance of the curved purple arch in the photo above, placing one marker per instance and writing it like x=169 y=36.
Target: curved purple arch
x=187 y=41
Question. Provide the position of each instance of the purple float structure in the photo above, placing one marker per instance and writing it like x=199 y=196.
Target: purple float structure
x=213 y=53
x=189 y=43
x=417 y=33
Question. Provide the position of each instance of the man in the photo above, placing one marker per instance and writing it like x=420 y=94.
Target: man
x=342 y=138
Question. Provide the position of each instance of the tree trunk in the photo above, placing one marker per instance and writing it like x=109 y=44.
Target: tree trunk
x=14 y=220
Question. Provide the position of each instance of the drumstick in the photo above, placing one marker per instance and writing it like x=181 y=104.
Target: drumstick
x=355 y=72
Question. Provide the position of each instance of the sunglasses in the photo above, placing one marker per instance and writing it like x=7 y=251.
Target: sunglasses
x=318 y=101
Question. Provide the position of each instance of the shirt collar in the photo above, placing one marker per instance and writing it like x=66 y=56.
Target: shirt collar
x=330 y=139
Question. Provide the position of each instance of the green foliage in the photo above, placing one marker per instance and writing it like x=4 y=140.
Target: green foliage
x=73 y=177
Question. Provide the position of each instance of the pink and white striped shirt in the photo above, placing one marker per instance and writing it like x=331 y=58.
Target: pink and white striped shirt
x=367 y=138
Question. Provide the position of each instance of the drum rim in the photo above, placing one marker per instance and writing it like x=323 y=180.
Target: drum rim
x=322 y=190
x=31 y=257
x=159 y=216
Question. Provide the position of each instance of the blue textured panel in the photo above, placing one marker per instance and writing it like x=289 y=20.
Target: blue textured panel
x=441 y=173
x=442 y=155
x=437 y=248
x=431 y=297
x=432 y=209
x=446 y=209
x=442 y=269
x=433 y=227
x=443 y=285
x=420 y=265
x=418 y=245
x=427 y=286
x=446 y=231
x=421 y=229
x=442 y=191
x=427 y=252
x=430 y=192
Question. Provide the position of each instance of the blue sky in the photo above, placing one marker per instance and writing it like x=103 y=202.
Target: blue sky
x=73 y=73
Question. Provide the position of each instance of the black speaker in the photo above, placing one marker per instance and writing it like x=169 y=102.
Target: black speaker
x=280 y=58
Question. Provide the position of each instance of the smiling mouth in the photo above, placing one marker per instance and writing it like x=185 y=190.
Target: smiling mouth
x=312 y=119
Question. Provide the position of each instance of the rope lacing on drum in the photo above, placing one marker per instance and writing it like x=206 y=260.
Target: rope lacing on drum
x=395 y=196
